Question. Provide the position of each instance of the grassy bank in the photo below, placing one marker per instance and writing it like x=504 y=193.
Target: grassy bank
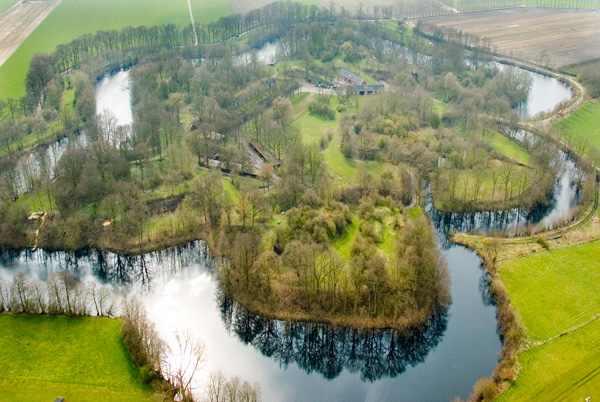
x=556 y=300
x=80 y=359
x=73 y=18
x=582 y=131
x=507 y=148
x=554 y=290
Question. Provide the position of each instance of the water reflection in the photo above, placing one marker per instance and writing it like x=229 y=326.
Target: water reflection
x=113 y=98
x=314 y=347
x=329 y=350
x=267 y=54
x=293 y=360
x=559 y=207
x=545 y=93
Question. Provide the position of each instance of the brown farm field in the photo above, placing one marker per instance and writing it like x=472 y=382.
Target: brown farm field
x=19 y=21
x=557 y=38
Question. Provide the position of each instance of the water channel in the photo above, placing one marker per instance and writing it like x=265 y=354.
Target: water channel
x=308 y=361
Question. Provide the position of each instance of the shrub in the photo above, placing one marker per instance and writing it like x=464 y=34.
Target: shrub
x=543 y=243
x=485 y=390
x=147 y=374
x=322 y=109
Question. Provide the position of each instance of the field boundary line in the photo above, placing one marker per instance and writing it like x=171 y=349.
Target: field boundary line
x=568 y=331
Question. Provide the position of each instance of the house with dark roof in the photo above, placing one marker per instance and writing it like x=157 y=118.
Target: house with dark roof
x=357 y=85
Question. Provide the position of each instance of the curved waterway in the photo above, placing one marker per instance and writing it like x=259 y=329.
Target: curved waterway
x=545 y=93
x=293 y=361
x=113 y=102
x=559 y=209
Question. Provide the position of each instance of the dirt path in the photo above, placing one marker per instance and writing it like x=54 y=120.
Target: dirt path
x=189 y=2
x=19 y=21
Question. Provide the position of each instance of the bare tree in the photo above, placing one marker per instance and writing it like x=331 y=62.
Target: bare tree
x=221 y=389
x=180 y=367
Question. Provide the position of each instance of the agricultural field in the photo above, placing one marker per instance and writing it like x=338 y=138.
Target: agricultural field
x=476 y=5
x=554 y=290
x=73 y=18
x=81 y=359
x=18 y=22
x=582 y=130
x=556 y=37
x=555 y=296
x=566 y=369
x=6 y=4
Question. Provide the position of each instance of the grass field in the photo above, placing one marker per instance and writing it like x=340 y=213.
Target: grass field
x=507 y=148
x=5 y=5
x=477 y=185
x=312 y=129
x=80 y=359
x=555 y=290
x=582 y=130
x=567 y=369
x=77 y=17
x=556 y=298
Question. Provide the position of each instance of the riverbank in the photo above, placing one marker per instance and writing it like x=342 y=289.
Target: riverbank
x=516 y=267
x=272 y=312
x=521 y=371
x=38 y=235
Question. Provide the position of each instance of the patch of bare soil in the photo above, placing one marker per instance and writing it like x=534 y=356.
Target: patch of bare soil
x=18 y=22
x=552 y=37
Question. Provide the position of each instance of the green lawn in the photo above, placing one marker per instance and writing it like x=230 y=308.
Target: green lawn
x=73 y=18
x=567 y=369
x=313 y=128
x=555 y=294
x=507 y=147
x=344 y=170
x=554 y=290
x=5 y=5
x=582 y=130
x=80 y=359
